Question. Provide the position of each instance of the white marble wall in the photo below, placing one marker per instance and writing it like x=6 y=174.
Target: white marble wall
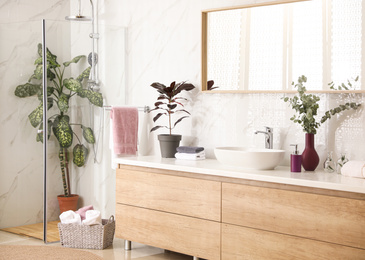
x=162 y=43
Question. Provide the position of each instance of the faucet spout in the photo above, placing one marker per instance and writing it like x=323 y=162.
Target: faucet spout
x=268 y=137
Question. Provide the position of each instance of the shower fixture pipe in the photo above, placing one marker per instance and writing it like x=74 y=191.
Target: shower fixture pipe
x=94 y=35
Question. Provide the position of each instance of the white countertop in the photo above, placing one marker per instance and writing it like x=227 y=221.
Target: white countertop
x=316 y=179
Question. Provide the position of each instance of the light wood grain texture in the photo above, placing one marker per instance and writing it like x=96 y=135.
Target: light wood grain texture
x=185 y=196
x=245 y=182
x=173 y=232
x=36 y=231
x=246 y=243
x=325 y=218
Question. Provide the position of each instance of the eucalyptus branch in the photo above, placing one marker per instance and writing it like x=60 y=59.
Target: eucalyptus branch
x=306 y=106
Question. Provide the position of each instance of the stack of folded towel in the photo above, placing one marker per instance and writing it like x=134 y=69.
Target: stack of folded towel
x=84 y=216
x=190 y=153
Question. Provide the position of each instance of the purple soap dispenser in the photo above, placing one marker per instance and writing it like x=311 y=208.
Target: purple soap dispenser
x=295 y=160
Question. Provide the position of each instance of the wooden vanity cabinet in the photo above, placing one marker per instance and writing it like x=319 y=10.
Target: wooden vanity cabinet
x=170 y=212
x=215 y=217
x=267 y=223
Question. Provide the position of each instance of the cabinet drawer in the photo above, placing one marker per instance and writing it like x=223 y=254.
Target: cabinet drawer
x=332 y=219
x=187 y=235
x=185 y=196
x=247 y=243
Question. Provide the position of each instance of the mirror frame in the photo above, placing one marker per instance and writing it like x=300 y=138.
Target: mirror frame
x=204 y=53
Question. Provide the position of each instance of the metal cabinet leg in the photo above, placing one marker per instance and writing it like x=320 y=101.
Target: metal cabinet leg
x=195 y=258
x=127 y=245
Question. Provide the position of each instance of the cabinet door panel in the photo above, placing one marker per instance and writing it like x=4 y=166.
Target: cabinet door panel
x=185 y=196
x=246 y=243
x=191 y=236
x=321 y=217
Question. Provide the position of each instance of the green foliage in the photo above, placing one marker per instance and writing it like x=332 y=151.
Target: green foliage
x=80 y=153
x=60 y=90
x=306 y=106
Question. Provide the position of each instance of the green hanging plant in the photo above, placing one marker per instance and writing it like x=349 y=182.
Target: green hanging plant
x=60 y=91
x=306 y=106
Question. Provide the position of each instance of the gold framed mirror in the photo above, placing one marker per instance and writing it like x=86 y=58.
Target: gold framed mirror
x=263 y=47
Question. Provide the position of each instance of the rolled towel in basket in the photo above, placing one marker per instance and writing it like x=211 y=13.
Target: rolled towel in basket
x=92 y=217
x=354 y=169
x=70 y=217
x=82 y=211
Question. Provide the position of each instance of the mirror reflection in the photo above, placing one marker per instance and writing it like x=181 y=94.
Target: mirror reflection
x=265 y=48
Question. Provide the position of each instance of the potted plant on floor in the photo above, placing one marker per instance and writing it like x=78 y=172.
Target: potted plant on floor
x=60 y=91
x=169 y=103
x=306 y=106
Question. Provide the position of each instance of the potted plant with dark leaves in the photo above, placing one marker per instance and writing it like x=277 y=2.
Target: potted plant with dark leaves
x=170 y=104
x=306 y=106
x=60 y=91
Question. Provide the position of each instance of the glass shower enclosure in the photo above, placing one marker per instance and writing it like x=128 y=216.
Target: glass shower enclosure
x=31 y=177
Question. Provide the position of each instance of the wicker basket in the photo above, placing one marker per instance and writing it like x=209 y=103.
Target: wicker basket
x=90 y=237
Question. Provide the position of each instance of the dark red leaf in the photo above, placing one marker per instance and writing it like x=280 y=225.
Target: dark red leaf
x=178 y=121
x=162 y=97
x=172 y=85
x=157 y=104
x=172 y=106
x=184 y=86
x=182 y=110
x=158 y=116
x=210 y=84
x=157 y=127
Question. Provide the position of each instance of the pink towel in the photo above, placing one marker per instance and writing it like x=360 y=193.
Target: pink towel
x=125 y=130
x=82 y=211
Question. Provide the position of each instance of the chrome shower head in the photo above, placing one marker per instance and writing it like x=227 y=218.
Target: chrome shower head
x=80 y=17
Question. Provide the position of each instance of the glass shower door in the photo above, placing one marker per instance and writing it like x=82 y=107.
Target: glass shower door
x=21 y=182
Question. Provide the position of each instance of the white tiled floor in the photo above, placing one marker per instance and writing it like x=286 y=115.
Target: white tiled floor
x=138 y=252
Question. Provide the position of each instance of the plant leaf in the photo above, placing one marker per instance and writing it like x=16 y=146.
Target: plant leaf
x=62 y=130
x=72 y=84
x=80 y=153
x=36 y=116
x=27 y=90
x=171 y=106
x=38 y=72
x=84 y=75
x=178 y=121
x=157 y=127
x=184 y=86
x=63 y=102
x=49 y=129
x=88 y=134
x=210 y=84
x=95 y=98
x=74 y=60
x=158 y=116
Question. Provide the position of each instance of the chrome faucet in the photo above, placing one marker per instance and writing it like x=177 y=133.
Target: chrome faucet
x=268 y=137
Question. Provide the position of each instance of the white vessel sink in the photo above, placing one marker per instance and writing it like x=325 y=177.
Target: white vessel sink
x=251 y=158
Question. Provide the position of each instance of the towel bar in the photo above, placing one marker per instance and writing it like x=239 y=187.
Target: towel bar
x=145 y=109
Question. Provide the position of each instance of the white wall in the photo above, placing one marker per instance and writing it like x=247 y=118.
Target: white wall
x=164 y=45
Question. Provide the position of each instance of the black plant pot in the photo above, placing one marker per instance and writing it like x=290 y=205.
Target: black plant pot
x=168 y=145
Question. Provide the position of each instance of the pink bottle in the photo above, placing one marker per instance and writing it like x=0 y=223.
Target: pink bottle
x=295 y=160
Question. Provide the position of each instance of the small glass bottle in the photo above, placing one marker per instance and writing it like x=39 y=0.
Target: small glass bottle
x=329 y=164
x=340 y=162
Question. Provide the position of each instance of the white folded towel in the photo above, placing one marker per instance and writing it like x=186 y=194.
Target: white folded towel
x=92 y=217
x=190 y=156
x=70 y=217
x=354 y=169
